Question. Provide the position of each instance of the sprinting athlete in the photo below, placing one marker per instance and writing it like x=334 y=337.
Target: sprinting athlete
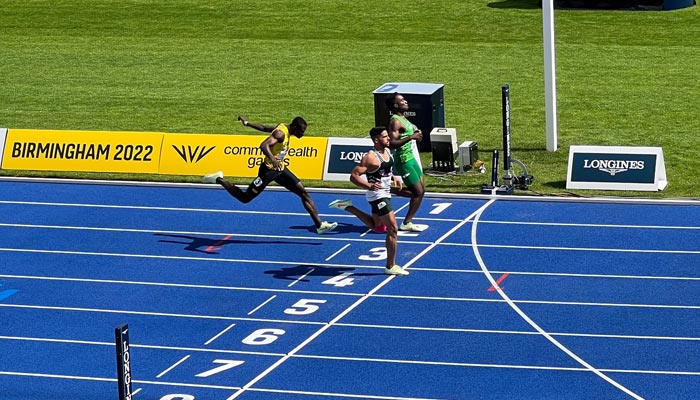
x=275 y=148
x=376 y=165
x=403 y=134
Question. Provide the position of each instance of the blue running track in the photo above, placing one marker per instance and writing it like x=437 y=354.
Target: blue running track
x=509 y=297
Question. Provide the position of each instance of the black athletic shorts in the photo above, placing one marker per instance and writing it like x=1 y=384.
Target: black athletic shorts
x=284 y=178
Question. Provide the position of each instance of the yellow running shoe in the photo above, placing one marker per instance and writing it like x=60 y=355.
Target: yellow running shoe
x=326 y=227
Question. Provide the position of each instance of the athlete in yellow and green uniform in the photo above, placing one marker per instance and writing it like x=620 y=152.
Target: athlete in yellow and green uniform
x=274 y=168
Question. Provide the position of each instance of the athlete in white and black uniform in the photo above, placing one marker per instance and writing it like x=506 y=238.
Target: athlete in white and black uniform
x=380 y=199
x=376 y=166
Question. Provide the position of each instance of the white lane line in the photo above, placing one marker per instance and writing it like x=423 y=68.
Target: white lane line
x=302 y=277
x=308 y=394
x=182 y=285
x=183 y=359
x=378 y=360
x=161 y=314
x=487 y=273
x=526 y=333
x=337 y=252
x=392 y=296
x=164 y=232
x=346 y=311
x=219 y=334
x=142 y=346
x=181 y=258
x=598 y=249
x=261 y=305
x=584 y=225
x=504 y=366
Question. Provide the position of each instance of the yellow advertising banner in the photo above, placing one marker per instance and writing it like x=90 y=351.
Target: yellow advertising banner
x=236 y=155
x=87 y=151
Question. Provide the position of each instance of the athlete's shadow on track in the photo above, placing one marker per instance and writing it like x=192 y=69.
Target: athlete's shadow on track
x=310 y=271
x=341 y=228
x=211 y=246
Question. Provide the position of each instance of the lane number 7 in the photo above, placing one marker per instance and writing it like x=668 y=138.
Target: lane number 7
x=226 y=364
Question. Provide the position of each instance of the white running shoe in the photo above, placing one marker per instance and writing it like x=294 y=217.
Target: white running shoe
x=326 y=227
x=395 y=270
x=211 y=178
x=413 y=227
x=340 y=204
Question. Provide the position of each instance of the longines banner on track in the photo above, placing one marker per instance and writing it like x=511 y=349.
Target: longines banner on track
x=152 y=152
x=343 y=155
x=616 y=168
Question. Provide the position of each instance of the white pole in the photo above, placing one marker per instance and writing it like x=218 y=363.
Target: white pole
x=550 y=87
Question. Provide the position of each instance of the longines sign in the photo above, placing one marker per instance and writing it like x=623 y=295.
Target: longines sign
x=616 y=168
x=343 y=154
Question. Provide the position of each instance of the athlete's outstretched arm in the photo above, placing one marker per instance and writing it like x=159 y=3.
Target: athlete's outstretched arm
x=260 y=127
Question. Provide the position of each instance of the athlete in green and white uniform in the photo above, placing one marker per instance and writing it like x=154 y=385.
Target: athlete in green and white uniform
x=403 y=137
x=406 y=163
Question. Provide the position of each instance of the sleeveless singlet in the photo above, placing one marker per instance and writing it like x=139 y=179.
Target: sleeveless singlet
x=279 y=149
x=405 y=152
x=381 y=174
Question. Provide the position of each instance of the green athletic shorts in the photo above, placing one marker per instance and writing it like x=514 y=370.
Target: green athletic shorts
x=381 y=207
x=409 y=171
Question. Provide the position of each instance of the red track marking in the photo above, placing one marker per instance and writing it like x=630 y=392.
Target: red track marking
x=216 y=245
x=498 y=282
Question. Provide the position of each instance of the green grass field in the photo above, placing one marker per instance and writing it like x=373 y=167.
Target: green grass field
x=623 y=78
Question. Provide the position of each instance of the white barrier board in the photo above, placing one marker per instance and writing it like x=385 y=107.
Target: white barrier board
x=342 y=155
x=616 y=168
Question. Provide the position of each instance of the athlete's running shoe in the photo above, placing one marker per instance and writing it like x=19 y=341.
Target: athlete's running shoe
x=340 y=204
x=413 y=227
x=211 y=178
x=395 y=270
x=326 y=227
